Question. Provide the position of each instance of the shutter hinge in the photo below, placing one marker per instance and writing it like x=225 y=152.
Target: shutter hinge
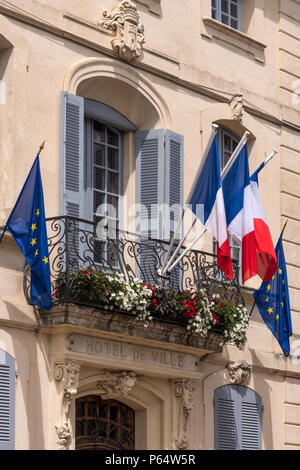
x=16 y=372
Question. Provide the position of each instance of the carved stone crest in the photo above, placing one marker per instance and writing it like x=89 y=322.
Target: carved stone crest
x=237 y=106
x=239 y=372
x=185 y=391
x=68 y=373
x=129 y=32
x=116 y=383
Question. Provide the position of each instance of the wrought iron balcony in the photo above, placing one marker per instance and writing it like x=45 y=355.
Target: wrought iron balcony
x=74 y=245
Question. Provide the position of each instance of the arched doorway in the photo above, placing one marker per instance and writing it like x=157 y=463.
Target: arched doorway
x=104 y=424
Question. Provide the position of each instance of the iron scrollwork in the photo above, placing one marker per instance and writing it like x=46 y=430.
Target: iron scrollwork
x=74 y=245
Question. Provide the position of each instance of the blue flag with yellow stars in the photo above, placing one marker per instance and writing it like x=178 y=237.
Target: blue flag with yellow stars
x=28 y=227
x=273 y=302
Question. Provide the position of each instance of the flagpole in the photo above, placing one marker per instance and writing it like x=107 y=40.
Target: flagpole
x=275 y=151
x=166 y=263
x=233 y=157
x=188 y=248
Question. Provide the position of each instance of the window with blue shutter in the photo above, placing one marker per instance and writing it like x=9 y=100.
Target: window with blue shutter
x=238 y=418
x=159 y=186
x=7 y=401
x=228 y=12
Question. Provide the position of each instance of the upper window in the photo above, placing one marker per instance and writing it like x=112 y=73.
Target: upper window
x=227 y=12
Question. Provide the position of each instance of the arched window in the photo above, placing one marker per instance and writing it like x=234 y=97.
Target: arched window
x=238 y=418
x=7 y=401
x=104 y=424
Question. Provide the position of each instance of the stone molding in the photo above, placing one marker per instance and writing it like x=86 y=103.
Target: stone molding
x=68 y=374
x=213 y=28
x=126 y=324
x=152 y=5
x=239 y=372
x=113 y=384
x=124 y=23
x=184 y=391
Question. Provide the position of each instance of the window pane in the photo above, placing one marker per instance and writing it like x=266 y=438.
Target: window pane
x=112 y=158
x=234 y=23
x=99 y=203
x=112 y=137
x=225 y=6
x=99 y=155
x=99 y=179
x=233 y=10
x=225 y=19
x=112 y=206
x=99 y=132
x=113 y=182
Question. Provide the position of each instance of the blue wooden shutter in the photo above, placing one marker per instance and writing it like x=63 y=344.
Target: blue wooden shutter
x=226 y=413
x=251 y=419
x=173 y=192
x=149 y=181
x=72 y=155
x=7 y=401
x=238 y=418
x=72 y=193
x=149 y=197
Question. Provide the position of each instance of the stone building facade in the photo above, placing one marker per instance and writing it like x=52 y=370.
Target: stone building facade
x=173 y=68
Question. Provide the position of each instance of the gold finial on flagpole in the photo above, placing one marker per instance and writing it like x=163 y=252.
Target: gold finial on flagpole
x=41 y=147
x=284 y=226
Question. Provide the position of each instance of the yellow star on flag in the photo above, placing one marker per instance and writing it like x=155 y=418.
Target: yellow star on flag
x=33 y=242
x=270 y=310
x=37 y=212
x=269 y=287
x=46 y=260
x=36 y=253
x=267 y=299
x=280 y=271
x=282 y=304
x=33 y=227
x=277 y=317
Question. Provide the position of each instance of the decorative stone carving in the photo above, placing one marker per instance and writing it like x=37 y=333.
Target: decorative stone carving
x=68 y=373
x=239 y=372
x=116 y=383
x=237 y=106
x=129 y=33
x=185 y=391
x=63 y=434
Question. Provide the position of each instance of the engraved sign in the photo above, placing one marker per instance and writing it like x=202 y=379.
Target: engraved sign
x=122 y=351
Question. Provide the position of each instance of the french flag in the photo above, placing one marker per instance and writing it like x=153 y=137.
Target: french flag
x=207 y=203
x=246 y=220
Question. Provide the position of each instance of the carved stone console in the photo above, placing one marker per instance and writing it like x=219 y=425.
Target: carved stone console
x=123 y=21
x=113 y=384
x=239 y=372
x=68 y=373
x=184 y=390
x=237 y=106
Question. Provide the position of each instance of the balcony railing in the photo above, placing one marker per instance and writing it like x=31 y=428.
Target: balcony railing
x=74 y=245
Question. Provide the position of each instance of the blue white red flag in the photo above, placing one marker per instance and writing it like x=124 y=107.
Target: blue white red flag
x=208 y=194
x=246 y=220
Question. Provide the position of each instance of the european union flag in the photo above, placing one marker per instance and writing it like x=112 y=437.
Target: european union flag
x=28 y=227
x=273 y=302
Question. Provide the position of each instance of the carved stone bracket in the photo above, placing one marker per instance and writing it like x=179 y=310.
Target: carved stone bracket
x=237 y=106
x=239 y=372
x=68 y=373
x=185 y=391
x=113 y=384
x=123 y=21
